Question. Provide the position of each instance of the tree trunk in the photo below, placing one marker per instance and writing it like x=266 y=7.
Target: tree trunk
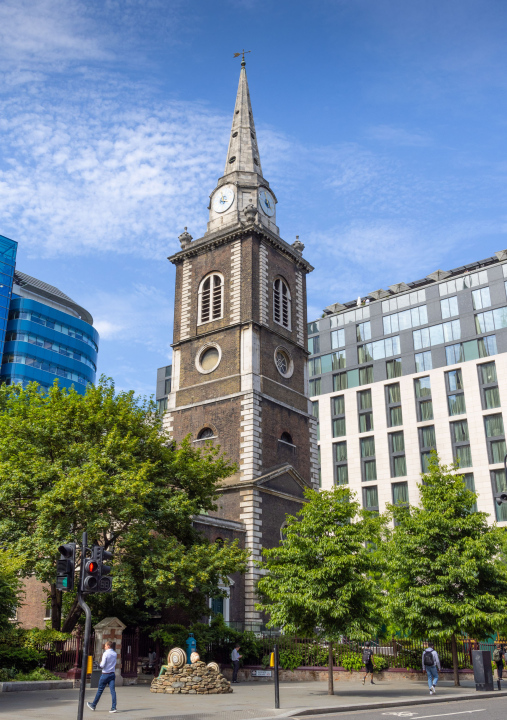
x=330 y=685
x=454 y=647
x=56 y=607
x=72 y=618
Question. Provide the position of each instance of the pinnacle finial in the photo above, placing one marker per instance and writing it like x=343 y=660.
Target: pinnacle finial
x=243 y=63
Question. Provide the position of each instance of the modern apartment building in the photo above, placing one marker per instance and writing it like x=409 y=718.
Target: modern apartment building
x=420 y=366
x=44 y=334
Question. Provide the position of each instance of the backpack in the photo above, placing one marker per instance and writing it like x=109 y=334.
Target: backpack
x=428 y=658
x=497 y=655
x=367 y=653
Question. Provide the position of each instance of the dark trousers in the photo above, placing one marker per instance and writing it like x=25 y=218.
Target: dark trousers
x=235 y=668
x=499 y=669
x=106 y=679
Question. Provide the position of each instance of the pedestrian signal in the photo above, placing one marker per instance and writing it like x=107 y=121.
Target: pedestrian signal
x=66 y=567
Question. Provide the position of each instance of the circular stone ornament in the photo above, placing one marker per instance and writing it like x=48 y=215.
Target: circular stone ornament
x=283 y=361
x=177 y=657
x=195 y=657
x=213 y=666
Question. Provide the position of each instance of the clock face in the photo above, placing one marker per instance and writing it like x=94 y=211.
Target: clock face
x=267 y=203
x=223 y=199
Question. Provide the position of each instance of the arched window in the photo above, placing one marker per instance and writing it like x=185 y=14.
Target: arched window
x=286 y=437
x=211 y=298
x=281 y=303
x=205 y=433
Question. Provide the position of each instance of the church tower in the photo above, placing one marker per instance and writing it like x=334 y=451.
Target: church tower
x=239 y=377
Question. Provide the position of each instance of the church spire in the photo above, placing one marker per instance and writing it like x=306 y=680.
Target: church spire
x=243 y=153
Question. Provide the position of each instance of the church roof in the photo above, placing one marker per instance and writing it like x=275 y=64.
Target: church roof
x=243 y=153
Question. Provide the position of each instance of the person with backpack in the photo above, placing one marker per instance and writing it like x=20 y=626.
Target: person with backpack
x=368 y=662
x=431 y=663
x=498 y=655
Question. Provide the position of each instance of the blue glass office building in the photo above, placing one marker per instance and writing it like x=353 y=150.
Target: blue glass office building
x=47 y=336
x=8 y=250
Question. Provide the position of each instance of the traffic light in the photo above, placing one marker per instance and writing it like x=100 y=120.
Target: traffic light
x=65 y=567
x=91 y=575
x=95 y=578
x=105 y=583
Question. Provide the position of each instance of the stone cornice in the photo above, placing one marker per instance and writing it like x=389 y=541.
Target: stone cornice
x=213 y=240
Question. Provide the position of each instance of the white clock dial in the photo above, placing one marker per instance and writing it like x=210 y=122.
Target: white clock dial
x=267 y=203
x=223 y=199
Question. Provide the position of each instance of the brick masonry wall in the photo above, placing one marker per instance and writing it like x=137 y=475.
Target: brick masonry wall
x=276 y=420
x=32 y=611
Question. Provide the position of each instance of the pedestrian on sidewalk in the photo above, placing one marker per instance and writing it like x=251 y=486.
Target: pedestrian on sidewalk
x=235 y=657
x=368 y=662
x=431 y=663
x=108 y=665
x=498 y=656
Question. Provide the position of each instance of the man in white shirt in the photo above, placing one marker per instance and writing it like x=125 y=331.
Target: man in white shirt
x=235 y=656
x=108 y=665
x=431 y=663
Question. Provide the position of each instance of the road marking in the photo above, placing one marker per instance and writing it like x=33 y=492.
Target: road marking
x=463 y=712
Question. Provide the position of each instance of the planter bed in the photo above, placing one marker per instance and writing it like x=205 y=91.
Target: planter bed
x=26 y=685
x=308 y=674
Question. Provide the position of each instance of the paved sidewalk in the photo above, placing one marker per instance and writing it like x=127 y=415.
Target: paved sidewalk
x=249 y=701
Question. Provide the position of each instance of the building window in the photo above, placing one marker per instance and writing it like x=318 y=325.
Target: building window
x=437 y=334
x=211 y=298
x=491 y=320
x=363 y=331
x=499 y=485
x=400 y=494
x=313 y=327
x=161 y=406
x=337 y=339
x=368 y=462
x=449 y=307
x=493 y=426
x=205 y=434
x=338 y=416
x=455 y=394
x=327 y=363
x=465 y=281
x=471 y=350
x=403 y=301
x=460 y=440
x=315 y=387
x=423 y=361
x=427 y=444
x=365 y=411
x=423 y=399
x=393 y=368
x=405 y=320
x=341 y=472
x=370 y=498
x=319 y=468
x=314 y=345
x=393 y=405
x=397 y=454
x=481 y=298
x=489 y=386
x=353 y=378
x=281 y=303
x=315 y=413
x=378 y=350
x=362 y=313
x=470 y=485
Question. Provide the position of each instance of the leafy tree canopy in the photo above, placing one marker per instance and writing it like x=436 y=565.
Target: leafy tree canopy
x=10 y=590
x=444 y=571
x=321 y=577
x=104 y=464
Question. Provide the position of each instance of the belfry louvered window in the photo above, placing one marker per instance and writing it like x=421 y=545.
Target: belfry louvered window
x=281 y=303
x=211 y=300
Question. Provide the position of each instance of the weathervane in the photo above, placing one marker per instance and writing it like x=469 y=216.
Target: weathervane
x=243 y=52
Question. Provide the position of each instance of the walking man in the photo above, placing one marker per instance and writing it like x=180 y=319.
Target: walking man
x=368 y=662
x=235 y=657
x=431 y=663
x=108 y=665
x=498 y=656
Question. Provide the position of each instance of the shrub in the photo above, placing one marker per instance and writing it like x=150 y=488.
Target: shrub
x=36 y=675
x=380 y=663
x=23 y=659
x=352 y=661
x=291 y=659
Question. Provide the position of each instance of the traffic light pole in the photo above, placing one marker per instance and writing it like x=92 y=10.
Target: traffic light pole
x=87 y=632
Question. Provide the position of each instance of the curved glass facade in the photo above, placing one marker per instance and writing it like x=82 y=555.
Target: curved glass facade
x=43 y=343
x=8 y=250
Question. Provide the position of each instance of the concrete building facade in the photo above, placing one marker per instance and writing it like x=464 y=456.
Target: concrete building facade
x=420 y=366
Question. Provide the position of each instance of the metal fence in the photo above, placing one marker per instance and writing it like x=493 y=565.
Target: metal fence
x=62 y=656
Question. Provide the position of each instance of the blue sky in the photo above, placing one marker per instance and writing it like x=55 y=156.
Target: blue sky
x=381 y=126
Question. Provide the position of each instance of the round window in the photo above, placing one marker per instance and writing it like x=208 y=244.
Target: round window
x=208 y=358
x=283 y=362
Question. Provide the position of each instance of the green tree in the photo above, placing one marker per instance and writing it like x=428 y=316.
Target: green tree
x=320 y=578
x=103 y=463
x=10 y=589
x=444 y=571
